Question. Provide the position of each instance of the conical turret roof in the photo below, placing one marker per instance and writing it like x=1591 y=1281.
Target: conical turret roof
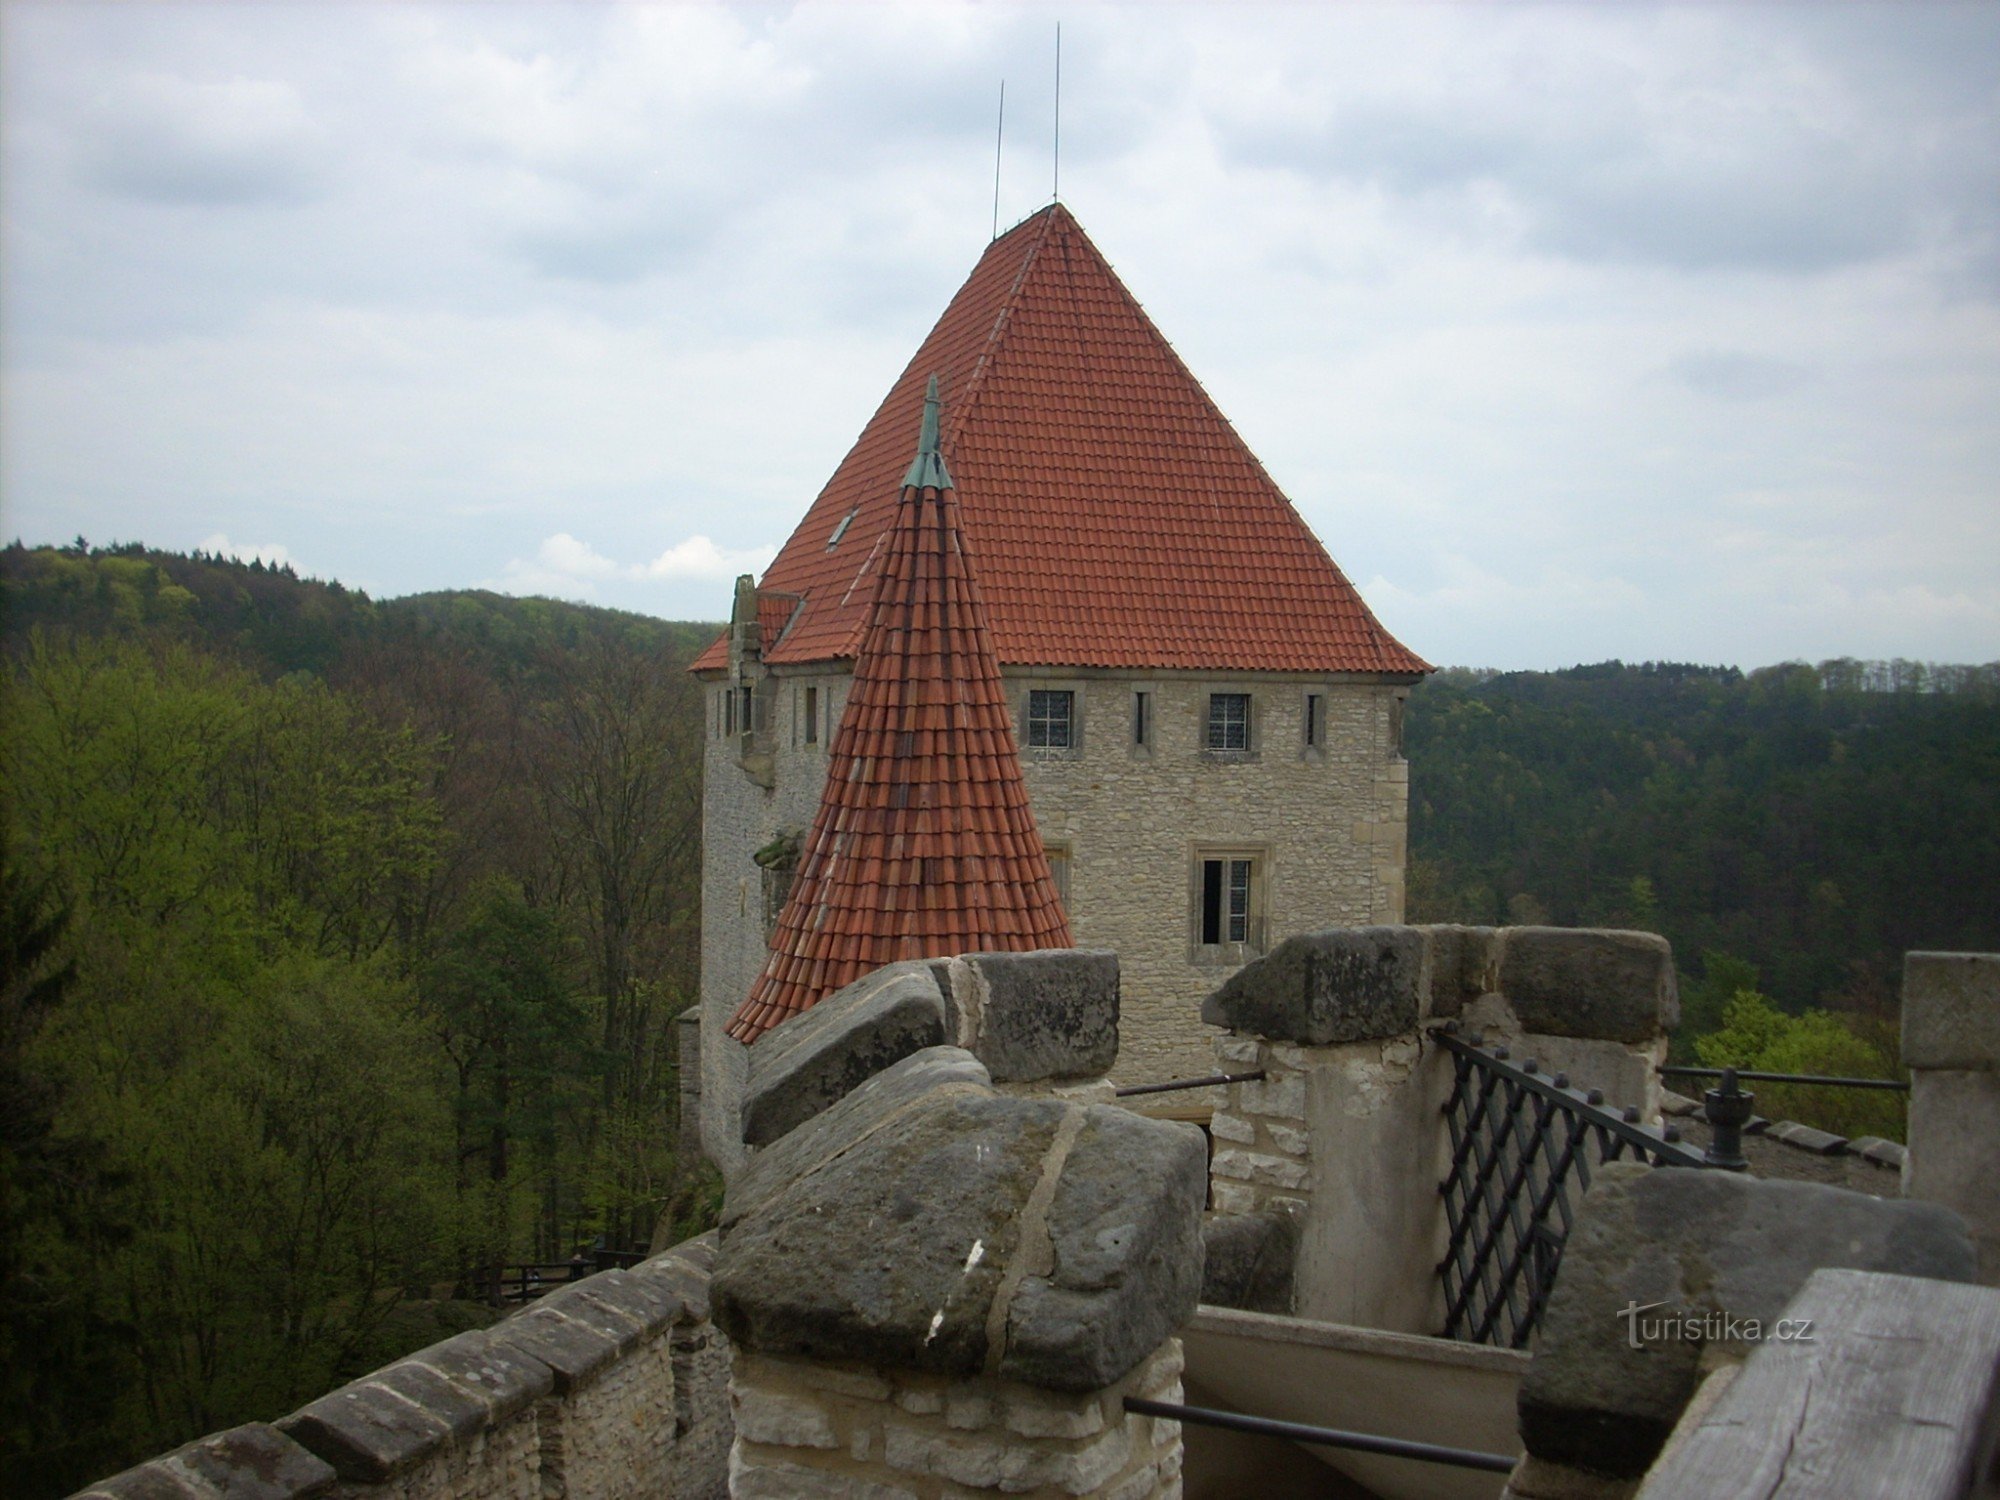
x=1118 y=518
x=924 y=844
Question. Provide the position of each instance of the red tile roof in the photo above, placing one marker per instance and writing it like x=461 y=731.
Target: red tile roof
x=1119 y=519
x=924 y=845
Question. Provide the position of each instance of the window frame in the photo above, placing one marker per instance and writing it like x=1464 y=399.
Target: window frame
x=1025 y=720
x=1226 y=948
x=1249 y=748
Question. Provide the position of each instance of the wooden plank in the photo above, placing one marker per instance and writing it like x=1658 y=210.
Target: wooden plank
x=1896 y=1396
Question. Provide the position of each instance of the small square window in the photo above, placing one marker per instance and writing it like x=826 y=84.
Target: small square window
x=1229 y=721
x=1051 y=719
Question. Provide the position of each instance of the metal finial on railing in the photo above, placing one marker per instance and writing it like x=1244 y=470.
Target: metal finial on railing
x=1727 y=1110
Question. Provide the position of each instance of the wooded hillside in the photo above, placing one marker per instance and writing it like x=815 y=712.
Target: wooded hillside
x=342 y=942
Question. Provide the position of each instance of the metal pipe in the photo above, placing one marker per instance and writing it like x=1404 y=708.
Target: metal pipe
x=1211 y=1081
x=1328 y=1437
x=1842 y=1083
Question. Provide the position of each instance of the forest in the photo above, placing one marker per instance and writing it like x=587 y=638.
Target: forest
x=341 y=939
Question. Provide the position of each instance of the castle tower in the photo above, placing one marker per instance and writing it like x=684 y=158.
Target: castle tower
x=923 y=845
x=1207 y=715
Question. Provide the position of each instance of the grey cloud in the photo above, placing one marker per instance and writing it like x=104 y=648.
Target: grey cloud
x=1735 y=376
x=167 y=139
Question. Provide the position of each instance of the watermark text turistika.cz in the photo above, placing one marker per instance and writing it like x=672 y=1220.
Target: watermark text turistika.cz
x=1646 y=1323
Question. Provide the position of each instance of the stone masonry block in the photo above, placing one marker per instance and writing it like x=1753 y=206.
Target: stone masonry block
x=1681 y=1241
x=1344 y=985
x=1072 y=1232
x=1590 y=982
x=815 y=1059
x=1951 y=1010
x=367 y=1431
x=573 y=1351
x=1125 y=1231
x=252 y=1462
x=1250 y=1258
x=892 y=1092
x=1048 y=1014
x=502 y=1379
x=1462 y=966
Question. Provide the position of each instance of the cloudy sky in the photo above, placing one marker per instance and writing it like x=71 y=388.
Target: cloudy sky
x=1573 y=332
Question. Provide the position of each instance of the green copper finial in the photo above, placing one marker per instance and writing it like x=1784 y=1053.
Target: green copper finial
x=928 y=467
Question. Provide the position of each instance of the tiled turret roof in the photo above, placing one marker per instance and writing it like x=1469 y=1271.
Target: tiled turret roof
x=1118 y=518
x=924 y=844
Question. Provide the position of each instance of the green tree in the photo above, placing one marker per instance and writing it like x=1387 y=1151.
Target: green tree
x=1757 y=1036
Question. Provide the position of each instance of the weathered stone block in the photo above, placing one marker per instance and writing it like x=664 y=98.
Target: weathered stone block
x=366 y=1431
x=1806 y=1138
x=252 y=1462
x=1125 y=1228
x=826 y=1135
x=1249 y=1260
x=1344 y=985
x=1048 y=1014
x=574 y=1351
x=816 y=1059
x=501 y=1378
x=1462 y=966
x=1589 y=982
x=1675 y=1241
x=1083 y=1221
x=890 y=1252
x=1951 y=1010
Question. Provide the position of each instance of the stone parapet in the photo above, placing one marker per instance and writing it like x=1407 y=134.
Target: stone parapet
x=869 y=1433
x=610 y=1387
x=1669 y=1271
x=1951 y=1044
x=928 y=1222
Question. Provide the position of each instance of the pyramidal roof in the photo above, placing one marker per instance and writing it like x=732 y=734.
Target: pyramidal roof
x=1118 y=518
x=924 y=845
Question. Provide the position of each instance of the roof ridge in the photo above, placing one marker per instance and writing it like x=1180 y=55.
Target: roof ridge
x=976 y=381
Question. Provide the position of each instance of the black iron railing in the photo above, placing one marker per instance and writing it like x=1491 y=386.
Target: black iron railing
x=1329 y=1437
x=1523 y=1147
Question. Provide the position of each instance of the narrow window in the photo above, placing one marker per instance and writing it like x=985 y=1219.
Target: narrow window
x=743 y=716
x=1228 y=893
x=1396 y=705
x=1315 y=730
x=812 y=716
x=1058 y=855
x=841 y=530
x=1142 y=718
x=1050 y=715
x=729 y=710
x=1229 y=721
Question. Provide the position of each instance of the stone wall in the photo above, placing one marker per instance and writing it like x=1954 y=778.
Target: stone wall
x=1951 y=1045
x=1328 y=825
x=834 y=1430
x=615 y=1386
x=1344 y=1135
x=935 y=1288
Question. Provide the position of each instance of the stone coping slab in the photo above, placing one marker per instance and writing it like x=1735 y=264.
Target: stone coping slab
x=1676 y=1245
x=962 y=1232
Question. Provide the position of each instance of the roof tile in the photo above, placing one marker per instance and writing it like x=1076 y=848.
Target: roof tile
x=1090 y=465
x=924 y=845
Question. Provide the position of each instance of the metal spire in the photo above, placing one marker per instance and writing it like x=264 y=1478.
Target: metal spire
x=928 y=469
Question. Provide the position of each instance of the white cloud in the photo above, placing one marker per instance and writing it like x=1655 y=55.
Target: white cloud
x=566 y=568
x=270 y=554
